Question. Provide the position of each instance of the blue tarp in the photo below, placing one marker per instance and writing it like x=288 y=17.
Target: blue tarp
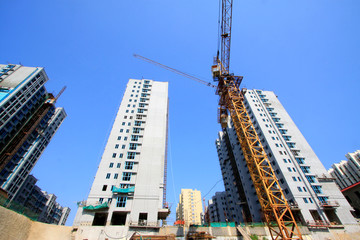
x=123 y=190
x=91 y=207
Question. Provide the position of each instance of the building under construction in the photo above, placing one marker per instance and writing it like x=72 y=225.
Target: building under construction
x=28 y=121
x=311 y=192
x=129 y=190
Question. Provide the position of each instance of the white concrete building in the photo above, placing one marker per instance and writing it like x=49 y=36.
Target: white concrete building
x=347 y=173
x=311 y=192
x=128 y=192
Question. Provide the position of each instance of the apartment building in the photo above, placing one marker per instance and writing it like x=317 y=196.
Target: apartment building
x=189 y=208
x=28 y=121
x=129 y=189
x=309 y=189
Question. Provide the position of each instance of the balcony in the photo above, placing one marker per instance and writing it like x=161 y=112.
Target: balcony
x=329 y=204
x=318 y=224
x=143 y=223
x=325 y=178
x=96 y=206
x=294 y=206
x=123 y=190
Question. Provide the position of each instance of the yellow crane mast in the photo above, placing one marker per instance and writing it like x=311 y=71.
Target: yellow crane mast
x=276 y=210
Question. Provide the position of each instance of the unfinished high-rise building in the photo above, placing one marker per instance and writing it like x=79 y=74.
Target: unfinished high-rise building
x=28 y=121
x=128 y=192
x=311 y=192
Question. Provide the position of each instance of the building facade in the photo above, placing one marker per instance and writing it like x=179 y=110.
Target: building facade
x=347 y=177
x=347 y=173
x=218 y=208
x=41 y=203
x=309 y=189
x=189 y=208
x=129 y=186
x=28 y=121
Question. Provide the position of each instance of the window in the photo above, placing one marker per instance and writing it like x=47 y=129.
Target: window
x=284 y=160
x=116 y=176
x=305 y=169
x=136 y=130
x=129 y=165
x=304 y=189
x=123 y=146
x=276 y=119
x=299 y=188
x=111 y=165
x=114 y=155
x=104 y=187
x=287 y=138
x=138 y=123
x=123 y=123
x=311 y=179
x=126 y=176
x=299 y=179
x=133 y=146
x=291 y=144
x=116 y=146
x=134 y=138
x=323 y=199
x=121 y=155
x=108 y=176
x=283 y=131
x=317 y=189
x=118 y=165
x=131 y=155
x=101 y=200
x=294 y=178
x=289 y=169
x=125 y=138
x=127 y=130
x=121 y=130
x=300 y=160
x=124 y=186
x=277 y=145
x=310 y=200
x=121 y=202
x=305 y=200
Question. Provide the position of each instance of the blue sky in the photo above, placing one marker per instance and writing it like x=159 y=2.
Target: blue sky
x=306 y=51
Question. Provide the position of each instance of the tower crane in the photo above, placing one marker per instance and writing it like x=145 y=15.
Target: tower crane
x=275 y=208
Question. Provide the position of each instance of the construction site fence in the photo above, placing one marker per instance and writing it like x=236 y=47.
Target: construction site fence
x=216 y=224
x=16 y=207
x=261 y=224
